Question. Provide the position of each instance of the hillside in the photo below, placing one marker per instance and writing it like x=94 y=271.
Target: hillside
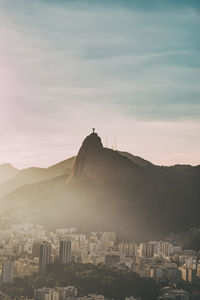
x=89 y=279
x=32 y=175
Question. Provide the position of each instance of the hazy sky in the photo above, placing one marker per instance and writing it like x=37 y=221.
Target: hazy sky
x=129 y=68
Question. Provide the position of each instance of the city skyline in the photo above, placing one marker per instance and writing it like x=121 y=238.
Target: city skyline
x=100 y=255
x=127 y=68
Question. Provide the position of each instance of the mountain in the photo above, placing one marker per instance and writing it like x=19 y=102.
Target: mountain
x=7 y=171
x=107 y=190
x=32 y=175
x=89 y=160
x=136 y=159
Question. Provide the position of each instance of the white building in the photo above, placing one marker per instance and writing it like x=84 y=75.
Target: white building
x=8 y=271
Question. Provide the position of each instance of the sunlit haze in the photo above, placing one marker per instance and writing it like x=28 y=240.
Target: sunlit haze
x=129 y=70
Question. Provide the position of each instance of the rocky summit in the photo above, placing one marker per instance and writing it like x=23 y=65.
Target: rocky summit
x=89 y=158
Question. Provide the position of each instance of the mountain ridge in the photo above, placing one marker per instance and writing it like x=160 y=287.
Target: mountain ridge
x=35 y=174
x=107 y=191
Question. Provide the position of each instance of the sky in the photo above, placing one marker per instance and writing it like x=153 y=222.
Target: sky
x=131 y=69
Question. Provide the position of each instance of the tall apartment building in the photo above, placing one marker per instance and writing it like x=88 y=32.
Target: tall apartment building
x=8 y=271
x=148 y=250
x=65 y=251
x=45 y=256
x=128 y=248
x=36 y=248
x=166 y=249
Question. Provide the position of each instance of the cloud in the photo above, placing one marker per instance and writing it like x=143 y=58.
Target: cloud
x=68 y=65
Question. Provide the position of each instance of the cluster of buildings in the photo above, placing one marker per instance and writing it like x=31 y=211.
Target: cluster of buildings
x=173 y=294
x=66 y=293
x=59 y=293
x=166 y=262
x=28 y=248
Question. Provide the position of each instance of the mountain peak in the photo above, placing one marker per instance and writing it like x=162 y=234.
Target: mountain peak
x=92 y=142
x=7 y=171
x=6 y=165
x=89 y=157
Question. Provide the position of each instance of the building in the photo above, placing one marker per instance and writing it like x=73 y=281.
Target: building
x=45 y=256
x=111 y=259
x=128 y=248
x=132 y=298
x=187 y=273
x=174 y=295
x=65 y=251
x=92 y=297
x=66 y=292
x=36 y=248
x=159 y=273
x=8 y=272
x=148 y=250
x=76 y=257
x=63 y=293
x=142 y=262
x=174 y=275
x=46 y=294
x=20 y=248
x=166 y=249
x=108 y=240
x=176 y=249
x=198 y=270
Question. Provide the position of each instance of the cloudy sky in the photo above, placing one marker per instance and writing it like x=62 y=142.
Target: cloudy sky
x=129 y=68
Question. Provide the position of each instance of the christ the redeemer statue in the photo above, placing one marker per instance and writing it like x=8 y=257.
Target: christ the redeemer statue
x=93 y=129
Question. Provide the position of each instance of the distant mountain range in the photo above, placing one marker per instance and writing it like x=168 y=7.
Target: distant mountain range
x=7 y=171
x=103 y=189
x=27 y=176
